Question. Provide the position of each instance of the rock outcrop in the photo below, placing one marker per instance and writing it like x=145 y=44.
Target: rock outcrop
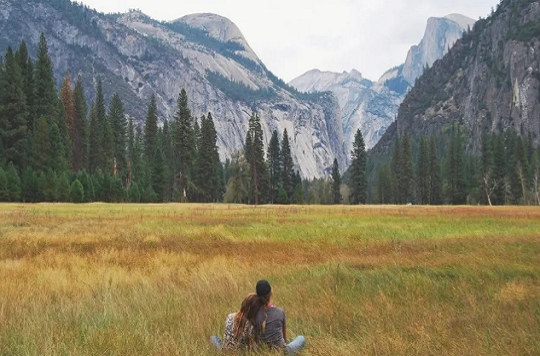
x=373 y=106
x=206 y=54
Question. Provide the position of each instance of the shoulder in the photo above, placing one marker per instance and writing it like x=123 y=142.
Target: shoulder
x=278 y=311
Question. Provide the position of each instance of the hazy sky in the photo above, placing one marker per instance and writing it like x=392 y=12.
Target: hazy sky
x=294 y=36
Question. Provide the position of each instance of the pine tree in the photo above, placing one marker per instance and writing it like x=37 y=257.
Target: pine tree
x=49 y=186
x=30 y=186
x=151 y=130
x=499 y=171
x=405 y=179
x=169 y=160
x=106 y=136
x=259 y=171
x=423 y=174
x=88 y=186
x=208 y=163
x=45 y=90
x=535 y=175
x=27 y=71
x=13 y=183
x=76 y=192
x=62 y=187
x=184 y=143
x=118 y=122
x=336 y=183
x=56 y=159
x=42 y=146
x=488 y=182
x=385 y=189
x=95 y=149
x=287 y=165
x=456 y=192
x=396 y=170
x=274 y=166
x=79 y=146
x=358 y=170
x=68 y=102
x=298 y=196
x=435 y=184
x=4 y=192
x=159 y=179
x=13 y=112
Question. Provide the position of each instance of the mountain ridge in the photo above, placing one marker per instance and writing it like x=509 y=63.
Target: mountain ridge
x=372 y=106
x=138 y=56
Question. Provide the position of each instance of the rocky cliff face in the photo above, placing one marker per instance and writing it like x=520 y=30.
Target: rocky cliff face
x=206 y=54
x=373 y=106
x=488 y=82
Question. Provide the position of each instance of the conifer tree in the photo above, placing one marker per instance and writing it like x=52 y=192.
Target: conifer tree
x=42 y=146
x=499 y=171
x=45 y=90
x=405 y=178
x=159 y=179
x=106 y=136
x=274 y=166
x=396 y=170
x=68 y=102
x=4 y=191
x=169 y=160
x=76 y=192
x=62 y=187
x=151 y=130
x=385 y=188
x=456 y=191
x=287 y=165
x=79 y=133
x=535 y=175
x=336 y=183
x=184 y=143
x=30 y=186
x=27 y=71
x=56 y=157
x=358 y=170
x=435 y=184
x=489 y=184
x=13 y=112
x=259 y=170
x=423 y=173
x=95 y=149
x=13 y=183
x=118 y=122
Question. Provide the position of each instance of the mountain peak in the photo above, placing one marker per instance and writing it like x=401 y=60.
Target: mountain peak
x=462 y=20
x=219 y=27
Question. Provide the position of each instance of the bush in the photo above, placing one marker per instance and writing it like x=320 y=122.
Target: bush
x=76 y=192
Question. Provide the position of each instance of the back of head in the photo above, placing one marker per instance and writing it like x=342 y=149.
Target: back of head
x=263 y=288
x=248 y=312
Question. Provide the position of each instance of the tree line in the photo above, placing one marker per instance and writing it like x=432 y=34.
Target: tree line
x=507 y=172
x=56 y=147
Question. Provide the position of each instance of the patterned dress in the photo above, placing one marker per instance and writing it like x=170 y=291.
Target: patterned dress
x=233 y=343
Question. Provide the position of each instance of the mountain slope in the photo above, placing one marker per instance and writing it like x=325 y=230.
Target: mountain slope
x=372 y=106
x=488 y=82
x=204 y=53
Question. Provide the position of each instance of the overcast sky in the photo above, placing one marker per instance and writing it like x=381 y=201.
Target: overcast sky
x=294 y=36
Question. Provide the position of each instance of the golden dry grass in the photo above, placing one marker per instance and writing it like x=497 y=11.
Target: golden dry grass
x=160 y=279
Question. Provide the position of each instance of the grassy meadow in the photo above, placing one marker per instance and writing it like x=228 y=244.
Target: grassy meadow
x=160 y=279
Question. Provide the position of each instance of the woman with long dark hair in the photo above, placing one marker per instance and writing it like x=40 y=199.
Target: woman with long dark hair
x=270 y=323
x=239 y=327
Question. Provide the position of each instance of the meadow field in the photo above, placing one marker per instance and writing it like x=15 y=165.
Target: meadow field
x=160 y=279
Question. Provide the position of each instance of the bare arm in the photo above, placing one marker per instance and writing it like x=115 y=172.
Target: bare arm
x=285 y=331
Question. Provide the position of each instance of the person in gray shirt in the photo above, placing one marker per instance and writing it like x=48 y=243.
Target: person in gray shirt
x=270 y=323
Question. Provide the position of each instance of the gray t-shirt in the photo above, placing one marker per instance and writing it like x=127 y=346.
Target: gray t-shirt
x=273 y=334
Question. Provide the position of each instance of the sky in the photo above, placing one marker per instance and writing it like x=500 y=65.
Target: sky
x=294 y=36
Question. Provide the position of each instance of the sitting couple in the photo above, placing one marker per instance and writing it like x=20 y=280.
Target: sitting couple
x=258 y=324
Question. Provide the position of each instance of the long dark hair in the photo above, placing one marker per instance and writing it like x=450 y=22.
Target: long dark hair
x=247 y=313
x=263 y=303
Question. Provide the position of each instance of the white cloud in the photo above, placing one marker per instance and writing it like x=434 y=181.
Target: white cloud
x=294 y=36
